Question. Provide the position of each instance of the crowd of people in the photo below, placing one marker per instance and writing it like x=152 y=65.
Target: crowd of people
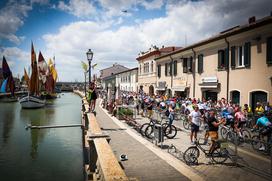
x=207 y=112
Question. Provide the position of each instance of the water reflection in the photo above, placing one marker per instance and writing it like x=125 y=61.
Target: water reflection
x=37 y=117
x=7 y=120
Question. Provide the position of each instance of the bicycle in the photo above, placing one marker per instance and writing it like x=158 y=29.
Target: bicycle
x=256 y=142
x=185 y=122
x=144 y=126
x=170 y=131
x=219 y=155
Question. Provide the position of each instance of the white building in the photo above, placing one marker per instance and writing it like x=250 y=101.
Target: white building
x=127 y=80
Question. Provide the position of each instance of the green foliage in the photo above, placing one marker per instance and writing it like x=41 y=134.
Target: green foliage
x=125 y=112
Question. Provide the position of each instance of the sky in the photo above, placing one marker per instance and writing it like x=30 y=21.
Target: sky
x=115 y=30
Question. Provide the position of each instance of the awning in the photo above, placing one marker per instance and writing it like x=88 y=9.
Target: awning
x=209 y=85
x=160 y=88
x=181 y=88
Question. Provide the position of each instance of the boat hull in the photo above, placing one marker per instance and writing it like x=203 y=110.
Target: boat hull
x=8 y=99
x=31 y=102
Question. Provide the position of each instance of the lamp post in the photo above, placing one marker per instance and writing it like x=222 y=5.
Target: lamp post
x=90 y=58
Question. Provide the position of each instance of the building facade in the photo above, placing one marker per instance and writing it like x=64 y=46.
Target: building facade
x=235 y=64
x=147 y=73
x=127 y=80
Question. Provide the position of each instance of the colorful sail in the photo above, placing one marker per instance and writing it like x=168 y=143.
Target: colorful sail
x=5 y=67
x=26 y=78
x=7 y=74
x=34 y=79
x=42 y=68
x=4 y=85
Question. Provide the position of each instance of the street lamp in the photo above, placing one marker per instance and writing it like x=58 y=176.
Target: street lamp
x=90 y=58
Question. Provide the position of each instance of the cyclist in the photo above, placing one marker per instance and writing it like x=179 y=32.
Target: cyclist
x=213 y=129
x=240 y=120
x=247 y=109
x=195 y=119
x=266 y=129
x=259 y=109
x=228 y=118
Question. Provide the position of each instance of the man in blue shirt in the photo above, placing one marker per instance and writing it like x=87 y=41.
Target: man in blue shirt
x=266 y=130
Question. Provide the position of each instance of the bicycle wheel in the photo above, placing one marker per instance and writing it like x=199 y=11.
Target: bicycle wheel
x=246 y=135
x=256 y=142
x=149 y=131
x=220 y=155
x=186 y=124
x=142 y=128
x=191 y=155
x=223 y=132
x=230 y=137
x=169 y=131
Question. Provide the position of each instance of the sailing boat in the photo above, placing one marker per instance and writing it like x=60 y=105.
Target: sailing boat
x=33 y=99
x=51 y=81
x=8 y=84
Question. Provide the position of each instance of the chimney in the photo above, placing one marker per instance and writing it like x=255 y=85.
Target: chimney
x=251 y=19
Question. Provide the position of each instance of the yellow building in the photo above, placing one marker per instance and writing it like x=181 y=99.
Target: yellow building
x=147 y=76
x=235 y=64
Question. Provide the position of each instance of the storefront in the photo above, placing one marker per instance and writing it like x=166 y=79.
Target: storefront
x=210 y=88
x=161 y=88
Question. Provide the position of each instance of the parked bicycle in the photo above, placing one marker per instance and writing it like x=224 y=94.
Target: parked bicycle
x=219 y=154
x=170 y=131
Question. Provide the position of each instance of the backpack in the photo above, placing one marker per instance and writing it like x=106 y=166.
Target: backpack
x=167 y=112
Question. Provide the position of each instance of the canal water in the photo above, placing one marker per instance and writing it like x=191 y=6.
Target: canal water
x=46 y=154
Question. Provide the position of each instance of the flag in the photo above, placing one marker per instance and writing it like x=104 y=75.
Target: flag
x=94 y=66
x=84 y=66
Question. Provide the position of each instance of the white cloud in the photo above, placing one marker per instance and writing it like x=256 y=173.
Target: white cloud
x=12 y=17
x=195 y=20
x=79 y=8
x=154 y=4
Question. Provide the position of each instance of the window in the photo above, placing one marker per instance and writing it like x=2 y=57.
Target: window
x=184 y=64
x=223 y=59
x=159 y=71
x=169 y=69
x=269 y=51
x=240 y=55
x=146 y=67
x=152 y=66
x=190 y=64
x=233 y=54
x=175 y=68
x=200 y=64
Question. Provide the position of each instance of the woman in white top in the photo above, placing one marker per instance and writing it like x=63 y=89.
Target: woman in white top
x=195 y=118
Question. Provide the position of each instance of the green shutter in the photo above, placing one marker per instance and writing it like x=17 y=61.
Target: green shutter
x=159 y=71
x=269 y=51
x=233 y=49
x=175 y=68
x=171 y=68
x=219 y=59
x=190 y=68
x=184 y=63
x=247 y=54
x=226 y=65
x=200 y=63
x=165 y=69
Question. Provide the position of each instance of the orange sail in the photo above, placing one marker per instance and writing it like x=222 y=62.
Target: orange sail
x=26 y=78
x=34 y=79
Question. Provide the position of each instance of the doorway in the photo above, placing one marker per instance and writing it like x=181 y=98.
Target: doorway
x=257 y=96
x=151 y=90
x=235 y=97
x=210 y=95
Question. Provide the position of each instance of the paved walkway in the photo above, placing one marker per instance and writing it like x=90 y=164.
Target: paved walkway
x=148 y=162
x=142 y=163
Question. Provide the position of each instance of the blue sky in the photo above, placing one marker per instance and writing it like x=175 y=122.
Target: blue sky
x=67 y=29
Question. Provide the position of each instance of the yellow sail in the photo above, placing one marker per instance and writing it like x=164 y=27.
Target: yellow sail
x=52 y=70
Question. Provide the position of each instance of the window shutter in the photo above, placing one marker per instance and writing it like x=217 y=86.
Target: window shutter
x=226 y=58
x=200 y=63
x=159 y=71
x=175 y=68
x=184 y=63
x=269 y=51
x=247 y=54
x=171 y=68
x=219 y=59
x=165 y=69
x=233 y=49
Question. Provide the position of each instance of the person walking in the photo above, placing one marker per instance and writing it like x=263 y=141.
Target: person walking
x=92 y=96
x=195 y=119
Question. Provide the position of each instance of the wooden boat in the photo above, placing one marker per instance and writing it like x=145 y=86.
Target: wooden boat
x=33 y=99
